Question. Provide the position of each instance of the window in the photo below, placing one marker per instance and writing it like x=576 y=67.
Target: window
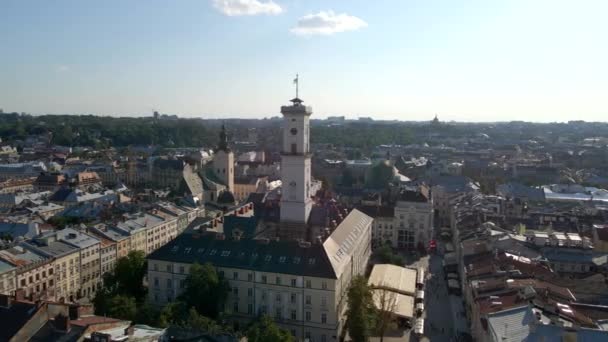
x=323 y=338
x=308 y=316
x=22 y=282
x=182 y=283
x=323 y=301
x=278 y=281
x=292 y=298
x=169 y=283
x=235 y=275
x=155 y=282
x=235 y=307
x=294 y=148
x=264 y=279
x=37 y=276
x=249 y=292
x=43 y=274
x=293 y=332
x=294 y=315
x=324 y=285
x=250 y=309
x=235 y=291
x=278 y=313
x=323 y=318
x=293 y=282
x=182 y=270
x=278 y=297
x=308 y=284
x=168 y=268
x=249 y=277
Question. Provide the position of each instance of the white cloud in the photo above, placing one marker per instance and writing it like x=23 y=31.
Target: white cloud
x=247 y=7
x=327 y=22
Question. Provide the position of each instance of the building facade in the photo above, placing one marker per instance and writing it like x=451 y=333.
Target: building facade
x=303 y=286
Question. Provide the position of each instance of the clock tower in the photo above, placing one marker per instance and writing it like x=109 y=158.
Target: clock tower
x=296 y=201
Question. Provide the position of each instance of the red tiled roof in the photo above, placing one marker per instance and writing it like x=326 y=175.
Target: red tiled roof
x=498 y=303
x=538 y=284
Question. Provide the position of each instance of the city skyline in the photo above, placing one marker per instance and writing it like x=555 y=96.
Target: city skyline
x=475 y=61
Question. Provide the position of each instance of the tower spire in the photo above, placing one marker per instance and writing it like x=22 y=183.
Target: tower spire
x=223 y=142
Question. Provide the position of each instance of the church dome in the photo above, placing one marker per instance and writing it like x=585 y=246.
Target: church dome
x=226 y=197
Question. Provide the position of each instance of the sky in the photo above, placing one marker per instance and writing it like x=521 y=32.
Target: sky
x=485 y=60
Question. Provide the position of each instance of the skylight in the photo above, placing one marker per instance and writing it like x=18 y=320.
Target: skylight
x=225 y=253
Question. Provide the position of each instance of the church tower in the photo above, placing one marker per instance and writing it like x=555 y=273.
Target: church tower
x=296 y=201
x=223 y=161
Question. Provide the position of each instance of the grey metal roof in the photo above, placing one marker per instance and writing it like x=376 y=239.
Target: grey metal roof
x=5 y=267
x=285 y=257
x=76 y=238
x=511 y=325
x=55 y=248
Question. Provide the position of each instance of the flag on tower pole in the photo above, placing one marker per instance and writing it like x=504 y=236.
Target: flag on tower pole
x=296 y=81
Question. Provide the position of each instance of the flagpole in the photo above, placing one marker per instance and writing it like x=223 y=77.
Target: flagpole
x=297 y=85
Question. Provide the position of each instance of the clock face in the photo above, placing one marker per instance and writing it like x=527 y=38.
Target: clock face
x=294 y=131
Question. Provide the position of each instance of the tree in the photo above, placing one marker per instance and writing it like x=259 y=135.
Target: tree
x=172 y=313
x=265 y=330
x=122 y=307
x=205 y=290
x=199 y=322
x=361 y=313
x=385 y=302
x=386 y=256
x=128 y=275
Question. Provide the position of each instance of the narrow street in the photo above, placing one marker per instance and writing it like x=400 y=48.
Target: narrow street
x=443 y=319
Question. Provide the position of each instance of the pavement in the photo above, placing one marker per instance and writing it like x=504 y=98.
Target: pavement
x=443 y=314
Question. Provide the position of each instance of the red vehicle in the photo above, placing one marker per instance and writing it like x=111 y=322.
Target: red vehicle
x=432 y=246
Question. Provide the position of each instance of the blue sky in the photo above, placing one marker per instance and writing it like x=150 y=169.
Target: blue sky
x=486 y=60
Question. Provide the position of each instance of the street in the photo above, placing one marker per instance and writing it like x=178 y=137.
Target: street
x=443 y=319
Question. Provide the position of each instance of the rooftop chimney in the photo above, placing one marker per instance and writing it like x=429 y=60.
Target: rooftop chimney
x=20 y=294
x=5 y=301
x=62 y=323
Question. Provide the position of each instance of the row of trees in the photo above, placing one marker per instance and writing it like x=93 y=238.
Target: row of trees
x=386 y=255
x=199 y=307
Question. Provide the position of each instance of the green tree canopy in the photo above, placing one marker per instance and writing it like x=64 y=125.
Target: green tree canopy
x=386 y=256
x=265 y=330
x=361 y=313
x=128 y=275
x=123 y=307
x=205 y=290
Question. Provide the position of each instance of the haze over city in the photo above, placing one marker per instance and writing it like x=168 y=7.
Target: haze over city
x=406 y=60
